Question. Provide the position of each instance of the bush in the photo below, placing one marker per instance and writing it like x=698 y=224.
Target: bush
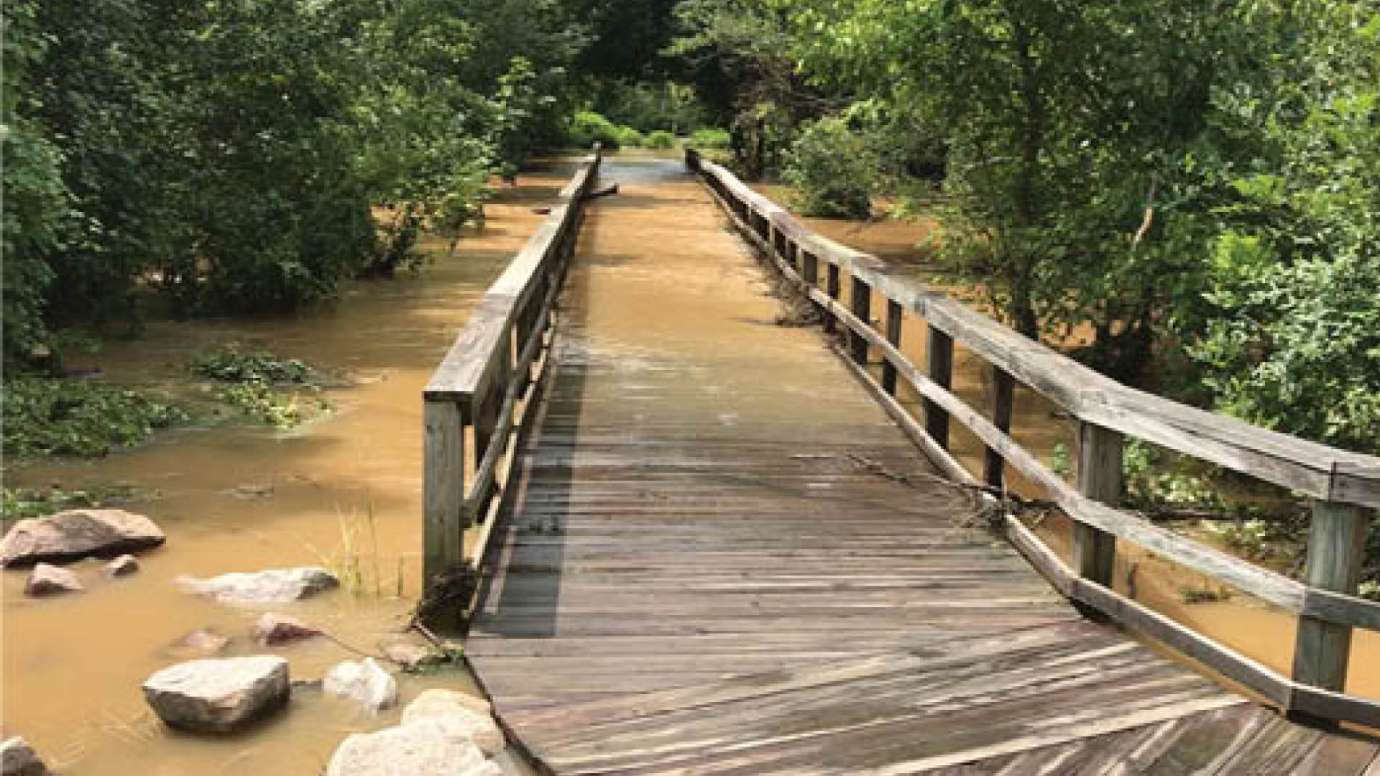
x=629 y=137
x=231 y=365
x=709 y=138
x=660 y=139
x=833 y=171
x=588 y=126
x=79 y=417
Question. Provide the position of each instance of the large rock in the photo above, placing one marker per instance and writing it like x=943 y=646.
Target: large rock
x=218 y=695
x=17 y=758
x=262 y=587
x=363 y=682
x=463 y=717
x=78 y=533
x=273 y=629
x=418 y=749
x=47 y=579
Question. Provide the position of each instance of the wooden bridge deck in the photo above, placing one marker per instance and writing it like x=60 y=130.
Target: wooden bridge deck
x=706 y=572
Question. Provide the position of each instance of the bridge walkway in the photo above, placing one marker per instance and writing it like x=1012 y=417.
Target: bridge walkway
x=725 y=558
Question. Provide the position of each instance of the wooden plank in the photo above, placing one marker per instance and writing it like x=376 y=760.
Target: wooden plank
x=1099 y=479
x=940 y=356
x=860 y=300
x=443 y=481
x=1003 y=400
x=1336 y=550
x=893 y=335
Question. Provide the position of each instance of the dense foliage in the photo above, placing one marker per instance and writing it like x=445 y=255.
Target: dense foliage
x=79 y=418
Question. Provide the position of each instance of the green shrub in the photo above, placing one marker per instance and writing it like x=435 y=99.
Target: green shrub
x=253 y=377
x=660 y=139
x=229 y=364
x=629 y=138
x=79 y=417
x=709 y=138
x=833 y=171
x=588 y=126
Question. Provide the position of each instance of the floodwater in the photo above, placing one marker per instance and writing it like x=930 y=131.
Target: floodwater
x=342 y=491
x=1241 y=622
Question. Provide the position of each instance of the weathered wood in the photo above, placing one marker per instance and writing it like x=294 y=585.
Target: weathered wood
x=832 y=289
x=939 y=352
x=1003 y=399
x=1336 y=550
x=443 y=482
x=1317 y=470
x=860 y=300
x=1099 y=479
x=893 y=335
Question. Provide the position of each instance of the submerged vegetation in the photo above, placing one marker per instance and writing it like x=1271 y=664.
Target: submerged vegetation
x=82 y=418
x=275 y=391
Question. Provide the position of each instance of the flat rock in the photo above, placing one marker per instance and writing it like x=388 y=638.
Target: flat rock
x=411 y=655
x=258 y=587
x=218 y=695
x=202 y=642
x=17 y=758
x=363 y=682
x=272 y=629
x=121 y=566
x=47 y=579
x=463 y=717
x=417 y=749
x=76 y=534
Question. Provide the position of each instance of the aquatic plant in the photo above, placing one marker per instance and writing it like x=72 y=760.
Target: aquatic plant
x=86 y=418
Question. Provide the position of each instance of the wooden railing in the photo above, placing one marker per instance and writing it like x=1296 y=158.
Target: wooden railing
x=1344 y=486
x=488 y=384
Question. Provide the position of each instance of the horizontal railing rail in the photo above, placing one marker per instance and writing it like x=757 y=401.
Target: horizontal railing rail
x=1345 y=486
x=487 y=384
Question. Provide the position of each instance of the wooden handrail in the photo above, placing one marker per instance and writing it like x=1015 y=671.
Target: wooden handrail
x=1343 y=484
x=486 y=383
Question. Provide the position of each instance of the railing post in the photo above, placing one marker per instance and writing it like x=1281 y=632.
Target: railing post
x=832 y=289
x=860 y=301
x=1100 y=479
x=1003 y=397
x=893 y=335
x=810 y=268
x=1336 y=549
x=939 y=353
x=443 y=487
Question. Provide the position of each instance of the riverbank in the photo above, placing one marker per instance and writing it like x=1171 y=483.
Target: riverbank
x=343 y=491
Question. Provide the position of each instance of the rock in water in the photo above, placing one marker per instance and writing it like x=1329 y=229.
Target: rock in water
x=419 y=749
x=125 y=564
x=261 y=587
x=218 y=695
x=364 y=682
x=17 y=758
x=273 y=629
x=200 y=643
x=411 y=655
x=463 y=717
x=47 y=579
x=78 y=533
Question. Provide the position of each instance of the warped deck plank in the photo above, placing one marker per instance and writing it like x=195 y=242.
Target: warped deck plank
x=724 y=558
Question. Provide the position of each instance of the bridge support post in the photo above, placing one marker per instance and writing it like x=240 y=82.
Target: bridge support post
x=1100 y=479
x=1003 y=397
x=443 y=487
x=1336 y=550
x=832 y=289
x=893 y=335
x=939 y=355
x=860 y=302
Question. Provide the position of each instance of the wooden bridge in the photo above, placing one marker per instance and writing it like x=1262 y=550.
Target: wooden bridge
x=711 y=544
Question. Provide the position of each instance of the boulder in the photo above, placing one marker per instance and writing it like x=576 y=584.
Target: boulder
x=17 y=758
x=76 y=534
x=363 y=682
x=418 y=749
x=260 y=587
x=218 y=695
x=463 y=717
x=47 y=579
x=410 y=655
x=121 y=566
x=202 y=642
x=272 y=629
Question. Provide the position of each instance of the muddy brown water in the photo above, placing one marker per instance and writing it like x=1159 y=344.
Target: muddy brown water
x=1247 y=625
x=238 y=498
